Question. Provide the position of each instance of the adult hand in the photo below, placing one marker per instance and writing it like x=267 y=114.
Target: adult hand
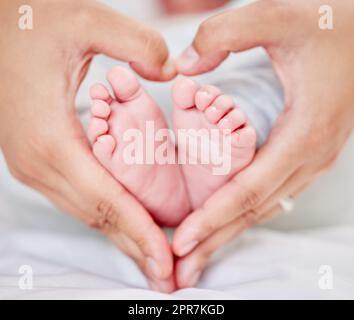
x=316 y=68
x=40 y=135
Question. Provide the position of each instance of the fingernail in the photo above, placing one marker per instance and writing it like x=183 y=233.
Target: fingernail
x=153 y=268
x=188 y=247
x=187 y=59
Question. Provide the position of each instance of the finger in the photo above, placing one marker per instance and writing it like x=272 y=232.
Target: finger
x=190 y=267
x=292 y=187
x=125 y=39
x=273 y=164
x=41 y=176
x=109 y=208
x=59 y=200
x=258 y=24
x=117 y=212
x=126 y=244
x=166 y=286
x=297 y=183
x=112 y=217
x=104 y=203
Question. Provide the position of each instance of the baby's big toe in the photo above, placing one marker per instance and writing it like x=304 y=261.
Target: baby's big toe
x=183 y=93
x=124 y=83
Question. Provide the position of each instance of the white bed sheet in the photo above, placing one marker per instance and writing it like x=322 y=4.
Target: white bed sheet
x=70 y=261
x=262 y=264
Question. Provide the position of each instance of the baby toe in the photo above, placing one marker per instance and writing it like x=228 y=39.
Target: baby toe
x=104 y=147
x=183 y=93
x=100 y=109
x=219 y=108
x=97 y=127
x=124 y=83
x=232 y=120
x=100 y=92
x=206 y=96
x=244 y=138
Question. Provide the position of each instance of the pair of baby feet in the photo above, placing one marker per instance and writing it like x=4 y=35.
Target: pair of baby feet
x=169 y=191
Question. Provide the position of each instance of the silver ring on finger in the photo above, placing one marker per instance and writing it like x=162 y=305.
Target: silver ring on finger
x=287 y=204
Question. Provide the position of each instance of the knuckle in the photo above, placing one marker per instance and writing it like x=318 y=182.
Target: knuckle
x=249 y=199
x=154 y=43
x=205 y=27
x=141 y=242
x=156 y=39
x=106 y=217
x=212 y=36
x=208 y=227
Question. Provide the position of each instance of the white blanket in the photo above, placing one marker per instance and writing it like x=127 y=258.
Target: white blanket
x=70 y=261
x=261 y=265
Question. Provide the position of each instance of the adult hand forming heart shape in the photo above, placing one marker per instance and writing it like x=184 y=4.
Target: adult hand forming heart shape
x=43 y=69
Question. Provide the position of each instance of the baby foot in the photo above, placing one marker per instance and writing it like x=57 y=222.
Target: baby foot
x=207 y=108
x=159 y=187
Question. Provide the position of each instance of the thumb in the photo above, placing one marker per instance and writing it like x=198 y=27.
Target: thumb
x=258 y=24
x=122 y=38
x=103 y=203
